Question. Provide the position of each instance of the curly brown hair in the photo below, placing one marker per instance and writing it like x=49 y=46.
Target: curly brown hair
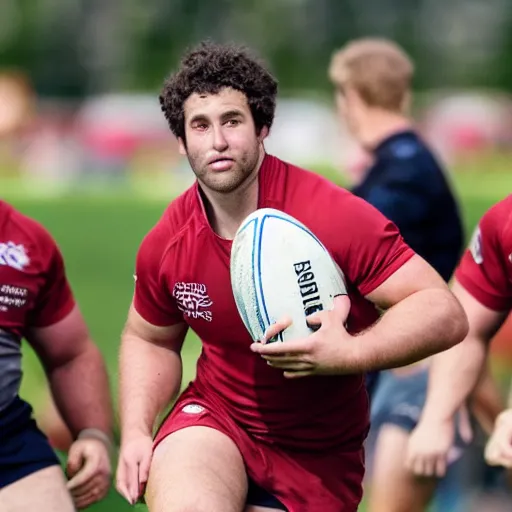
x=208 y=68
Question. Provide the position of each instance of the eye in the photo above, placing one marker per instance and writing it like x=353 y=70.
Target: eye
x=233 y=122
x=200 y=126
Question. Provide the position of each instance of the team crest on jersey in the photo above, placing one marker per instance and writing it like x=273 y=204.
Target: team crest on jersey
x=193 y=300
x=13 y=255
x=475 y=246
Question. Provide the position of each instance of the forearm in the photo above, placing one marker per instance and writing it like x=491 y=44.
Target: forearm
x=150 y=376
x=453 y=376
x=81 y=392
x=487 y=401
x=423 y=324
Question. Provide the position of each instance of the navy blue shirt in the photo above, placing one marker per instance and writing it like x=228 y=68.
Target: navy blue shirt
x=407 y=185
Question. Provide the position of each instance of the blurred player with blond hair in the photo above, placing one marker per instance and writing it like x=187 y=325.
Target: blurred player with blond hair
x=372 y=79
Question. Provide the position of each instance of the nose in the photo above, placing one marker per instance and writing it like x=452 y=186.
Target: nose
x=219 y=140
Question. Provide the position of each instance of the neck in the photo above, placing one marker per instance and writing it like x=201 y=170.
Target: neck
x=226 y=211
x=379 y=125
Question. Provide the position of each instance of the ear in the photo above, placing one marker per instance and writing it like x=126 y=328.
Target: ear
x=263 y=133
x=351 y=94
x=182 y=147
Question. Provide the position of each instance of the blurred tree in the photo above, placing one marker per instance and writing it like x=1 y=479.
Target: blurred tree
x=79 y=47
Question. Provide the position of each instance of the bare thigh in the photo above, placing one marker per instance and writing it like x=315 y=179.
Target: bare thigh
x=392 y=488
x=44 y=491
x=197 y=469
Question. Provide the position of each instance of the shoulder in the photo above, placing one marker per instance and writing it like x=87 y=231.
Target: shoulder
x=179 y=216
x=178 y=221
x=301 y=182
x=496 y=224
x=499 y=216
x=327 y=206
x=496 y=221
x=27 y=239
x=411 y=154
x=492 y=237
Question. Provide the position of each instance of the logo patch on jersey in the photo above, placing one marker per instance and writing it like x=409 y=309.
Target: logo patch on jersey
x=13 y=255
x=475 y=246
x=193 y=300
x=12 y=297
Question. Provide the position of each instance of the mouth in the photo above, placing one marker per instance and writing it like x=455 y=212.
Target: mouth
x=219 y=159
x=221 y=163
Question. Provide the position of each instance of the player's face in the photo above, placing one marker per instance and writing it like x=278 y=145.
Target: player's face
x=221 y=141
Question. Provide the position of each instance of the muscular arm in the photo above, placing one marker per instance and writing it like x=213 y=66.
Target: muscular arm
x=76 y=372
x=422 y=318
x=486 y=401
x=455 y=373
x=150 y=371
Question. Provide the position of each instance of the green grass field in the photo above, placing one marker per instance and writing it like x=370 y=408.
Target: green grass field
x=99 y=237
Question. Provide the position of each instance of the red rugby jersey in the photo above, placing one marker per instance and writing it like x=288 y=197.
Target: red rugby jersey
x=183 y=275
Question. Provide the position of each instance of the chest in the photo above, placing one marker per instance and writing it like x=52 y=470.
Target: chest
x=198 y=279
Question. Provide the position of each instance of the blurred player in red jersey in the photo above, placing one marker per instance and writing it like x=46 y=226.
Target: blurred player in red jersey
x=36 y=303
x=483 y=285
x=263 y=426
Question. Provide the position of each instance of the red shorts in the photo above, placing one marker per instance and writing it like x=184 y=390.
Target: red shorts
x=302 y=482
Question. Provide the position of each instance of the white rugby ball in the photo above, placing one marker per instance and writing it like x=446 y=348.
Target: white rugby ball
x=279 y=268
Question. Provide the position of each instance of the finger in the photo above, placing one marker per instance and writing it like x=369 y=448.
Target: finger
x=497 y=459
x=418 y=467
x=287 y=359
x=87 y=472
x=341 y=307
x=294 y=366
x=93 y=496
x=298 y=374
x=506 y=447
x=99 y=481
x=504 y=452
x=121 y=481
x=295 y=347
x=133 y=482
x=440 y=467
x=317 y=319
x=84 y=489
x=428 y=468
x=75 y=461
x=498 y=450
x=274 y=329
x=338 y=314
x=144 y=468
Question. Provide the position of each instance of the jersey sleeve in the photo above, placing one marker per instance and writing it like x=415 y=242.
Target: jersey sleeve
x=482 y=270
x=55 y=299
x=152 y=299
x=372 y=248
